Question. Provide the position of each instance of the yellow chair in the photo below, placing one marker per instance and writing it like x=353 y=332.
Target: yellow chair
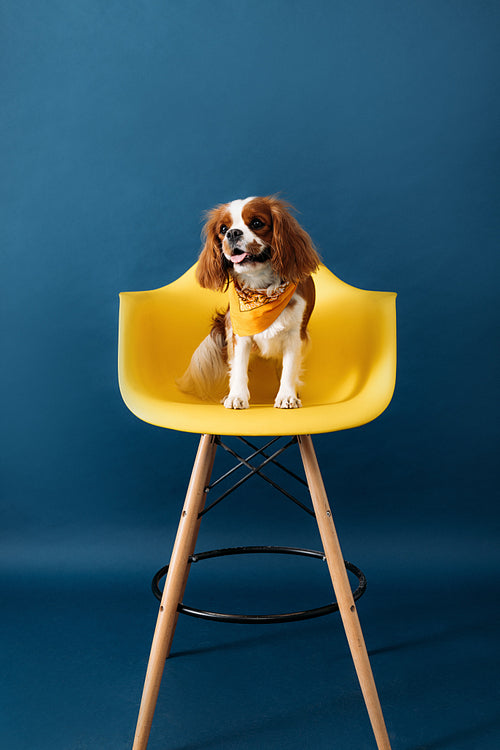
x=349 y=379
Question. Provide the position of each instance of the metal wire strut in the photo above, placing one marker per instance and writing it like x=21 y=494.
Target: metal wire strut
x=256 y=470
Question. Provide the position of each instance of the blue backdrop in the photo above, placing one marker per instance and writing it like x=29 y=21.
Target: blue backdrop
x=121 y=122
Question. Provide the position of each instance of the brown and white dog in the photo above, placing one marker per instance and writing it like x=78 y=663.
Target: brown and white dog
x=256 y=250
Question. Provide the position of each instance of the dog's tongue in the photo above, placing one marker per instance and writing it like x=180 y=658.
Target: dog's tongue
x=238 y=258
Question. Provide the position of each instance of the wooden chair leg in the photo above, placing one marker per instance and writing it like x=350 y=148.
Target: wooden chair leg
x=175 y=584
x=343 y=593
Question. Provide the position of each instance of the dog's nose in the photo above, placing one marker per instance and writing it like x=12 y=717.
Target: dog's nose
x=234 y=234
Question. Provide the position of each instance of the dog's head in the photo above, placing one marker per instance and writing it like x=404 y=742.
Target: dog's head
x=243 y=235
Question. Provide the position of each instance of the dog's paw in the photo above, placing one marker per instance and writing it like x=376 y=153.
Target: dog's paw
x=287 y=401
x=235 y=401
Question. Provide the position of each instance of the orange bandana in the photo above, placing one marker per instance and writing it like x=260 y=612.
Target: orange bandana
x=253 y=310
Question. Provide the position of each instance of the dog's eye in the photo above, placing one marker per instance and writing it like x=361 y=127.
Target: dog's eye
x=223 y=229
x=256 y=224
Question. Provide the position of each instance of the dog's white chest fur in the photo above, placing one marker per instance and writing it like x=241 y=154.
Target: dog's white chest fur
x=283 y=332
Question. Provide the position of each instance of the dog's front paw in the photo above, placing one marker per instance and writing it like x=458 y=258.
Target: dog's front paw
x=235 y=401
x=287 y=401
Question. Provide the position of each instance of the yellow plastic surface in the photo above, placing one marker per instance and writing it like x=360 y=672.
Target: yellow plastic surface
x=349 y=372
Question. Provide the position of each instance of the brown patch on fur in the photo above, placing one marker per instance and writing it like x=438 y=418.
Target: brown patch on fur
x=254 y=247
x=218 y=332
x=259 y=208
x=307 y=291
x=294 y=256
x=212 y=272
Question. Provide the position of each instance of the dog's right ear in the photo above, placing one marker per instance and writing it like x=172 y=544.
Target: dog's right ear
x=212 y=271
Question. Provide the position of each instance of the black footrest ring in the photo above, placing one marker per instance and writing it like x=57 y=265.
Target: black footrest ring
x=260 y=619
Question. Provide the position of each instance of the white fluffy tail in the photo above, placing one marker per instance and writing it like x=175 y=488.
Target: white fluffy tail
x=206 y=376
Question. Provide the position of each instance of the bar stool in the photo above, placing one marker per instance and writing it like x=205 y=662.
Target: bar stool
x=349 y=380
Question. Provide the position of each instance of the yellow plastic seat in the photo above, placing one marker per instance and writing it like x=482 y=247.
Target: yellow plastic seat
x=349 y=376
x=349 y=372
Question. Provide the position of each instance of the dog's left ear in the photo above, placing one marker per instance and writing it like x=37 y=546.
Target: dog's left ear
x=294 y=257
x=211 y=271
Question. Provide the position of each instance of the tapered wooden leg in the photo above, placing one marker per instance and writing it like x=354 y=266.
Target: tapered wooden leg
x=174 y=586
x=343 y=592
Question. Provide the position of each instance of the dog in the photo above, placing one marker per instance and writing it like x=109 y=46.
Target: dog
x=255 y=250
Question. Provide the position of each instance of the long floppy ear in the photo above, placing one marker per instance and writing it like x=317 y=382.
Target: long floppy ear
x=211 y=271
x=294 y=257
